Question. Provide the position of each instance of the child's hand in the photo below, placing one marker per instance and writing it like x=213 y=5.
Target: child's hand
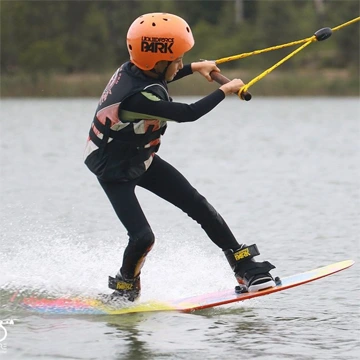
x=205 y=68
x=232 y=87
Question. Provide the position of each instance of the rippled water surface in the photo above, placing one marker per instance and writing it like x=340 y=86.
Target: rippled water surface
x=285 y=174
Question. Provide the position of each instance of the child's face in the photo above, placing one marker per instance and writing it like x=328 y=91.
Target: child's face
x=173 y=68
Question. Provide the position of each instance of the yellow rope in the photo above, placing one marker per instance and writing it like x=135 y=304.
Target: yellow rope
x=346 y=24
x=256 y=52
x=305 y=43
x=277 y=47
x=268 y=71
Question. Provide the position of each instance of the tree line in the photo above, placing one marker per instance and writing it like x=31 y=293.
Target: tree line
x=90 y=36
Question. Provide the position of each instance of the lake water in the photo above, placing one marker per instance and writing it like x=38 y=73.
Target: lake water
x=285 y=174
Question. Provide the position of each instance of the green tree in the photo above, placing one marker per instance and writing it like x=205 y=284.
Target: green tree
x=80 y=36
x=89 y=46
x=347 y=39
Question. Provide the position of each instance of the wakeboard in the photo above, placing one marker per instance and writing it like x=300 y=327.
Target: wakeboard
x=95 y=306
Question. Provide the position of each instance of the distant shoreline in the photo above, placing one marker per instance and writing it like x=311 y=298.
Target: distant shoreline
x=323 y=82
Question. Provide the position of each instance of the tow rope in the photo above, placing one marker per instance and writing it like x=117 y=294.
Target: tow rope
x=320 y=35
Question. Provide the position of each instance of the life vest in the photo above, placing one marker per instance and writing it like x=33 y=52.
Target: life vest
x=119 y=150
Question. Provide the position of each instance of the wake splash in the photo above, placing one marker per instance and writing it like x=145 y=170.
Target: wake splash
x=55 y=261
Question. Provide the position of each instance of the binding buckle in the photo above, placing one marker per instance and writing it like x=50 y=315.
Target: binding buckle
x=117 y=284
x=246 y=253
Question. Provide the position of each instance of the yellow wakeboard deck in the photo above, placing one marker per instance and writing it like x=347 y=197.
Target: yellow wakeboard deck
x=94 y=306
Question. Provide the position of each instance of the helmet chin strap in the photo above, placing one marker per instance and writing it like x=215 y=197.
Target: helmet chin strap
x=161 y=75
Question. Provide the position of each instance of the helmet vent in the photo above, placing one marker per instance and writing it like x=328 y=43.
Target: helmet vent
x=141 y=22
x=187 y=29
x=130 y=47
x=153 y=24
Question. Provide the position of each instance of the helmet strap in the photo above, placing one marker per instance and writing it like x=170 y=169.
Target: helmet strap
x=161 y=75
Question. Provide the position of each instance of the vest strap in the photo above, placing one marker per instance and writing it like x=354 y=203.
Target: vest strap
x=125 y=137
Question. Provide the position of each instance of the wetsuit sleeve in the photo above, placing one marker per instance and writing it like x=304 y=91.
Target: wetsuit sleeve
x=148 y=106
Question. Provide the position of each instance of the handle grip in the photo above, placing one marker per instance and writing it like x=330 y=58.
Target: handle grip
x=221 y=79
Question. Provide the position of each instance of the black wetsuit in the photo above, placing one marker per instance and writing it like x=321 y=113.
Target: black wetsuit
x=149 y=171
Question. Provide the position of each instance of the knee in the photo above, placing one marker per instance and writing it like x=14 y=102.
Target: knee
x=143 y=240
x=147 y=239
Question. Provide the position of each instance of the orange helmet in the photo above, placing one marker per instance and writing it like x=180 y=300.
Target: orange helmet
x=158 y=36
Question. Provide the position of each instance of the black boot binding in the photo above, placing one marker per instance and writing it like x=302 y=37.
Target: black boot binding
x=128 y=290
x=254 y=275
x=126 y=283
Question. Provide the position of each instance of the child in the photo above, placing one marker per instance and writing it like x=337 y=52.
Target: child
x=125 y=136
